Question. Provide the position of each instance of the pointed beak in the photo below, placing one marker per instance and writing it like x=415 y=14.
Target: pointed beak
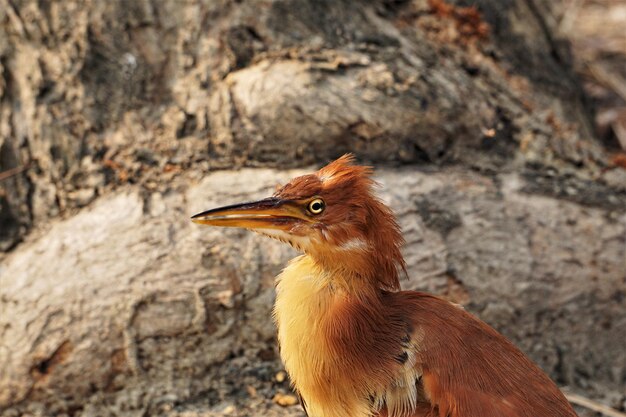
x=270 y=213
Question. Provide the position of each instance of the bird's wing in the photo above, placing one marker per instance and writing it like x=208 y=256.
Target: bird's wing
x=480 y=406
x=468 y=369
x=476 y=405
x=470 y=403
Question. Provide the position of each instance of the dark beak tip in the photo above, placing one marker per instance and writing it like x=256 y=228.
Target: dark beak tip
x=197 y=218
x=201 y=214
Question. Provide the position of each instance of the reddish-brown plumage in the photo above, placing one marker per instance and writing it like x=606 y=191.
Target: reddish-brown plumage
x=353 y=213
x=356 y=346
x=469 y=369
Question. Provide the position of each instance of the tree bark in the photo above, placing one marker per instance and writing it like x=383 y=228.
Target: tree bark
x=122 y=115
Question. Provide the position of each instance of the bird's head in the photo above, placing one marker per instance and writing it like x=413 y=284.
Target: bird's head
x=332 y=215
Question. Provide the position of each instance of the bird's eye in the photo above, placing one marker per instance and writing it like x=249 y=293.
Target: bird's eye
x=316 y=206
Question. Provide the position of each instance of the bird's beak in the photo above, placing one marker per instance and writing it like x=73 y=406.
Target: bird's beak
x=270 y=213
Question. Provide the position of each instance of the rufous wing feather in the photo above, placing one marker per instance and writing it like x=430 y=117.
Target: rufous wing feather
x=470 y=370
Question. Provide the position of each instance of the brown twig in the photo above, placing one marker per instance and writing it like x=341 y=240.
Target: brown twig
x=593 y=405
x=11 y=172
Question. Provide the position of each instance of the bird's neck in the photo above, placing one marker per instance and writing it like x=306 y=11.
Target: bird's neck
x=310 y=310
x=357 y=273
x=307 y=291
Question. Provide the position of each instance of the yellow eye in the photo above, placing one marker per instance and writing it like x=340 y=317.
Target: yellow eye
x=316 y=206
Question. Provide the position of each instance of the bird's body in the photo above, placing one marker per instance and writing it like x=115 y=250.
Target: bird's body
x=401 y=353
x=355 y=345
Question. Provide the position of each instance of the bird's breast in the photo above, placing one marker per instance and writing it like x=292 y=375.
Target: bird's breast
x=301 y=302
x=342 y=357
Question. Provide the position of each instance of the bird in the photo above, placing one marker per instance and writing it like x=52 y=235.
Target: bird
x=353 y=343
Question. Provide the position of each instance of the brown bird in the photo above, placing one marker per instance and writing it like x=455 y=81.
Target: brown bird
x=355 y=345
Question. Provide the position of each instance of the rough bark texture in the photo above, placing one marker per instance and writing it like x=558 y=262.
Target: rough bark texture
x=510 y=206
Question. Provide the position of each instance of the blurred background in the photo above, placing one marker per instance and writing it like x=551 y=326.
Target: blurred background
x=498 y=133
